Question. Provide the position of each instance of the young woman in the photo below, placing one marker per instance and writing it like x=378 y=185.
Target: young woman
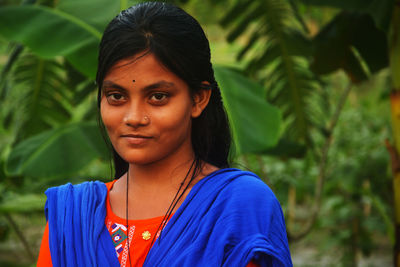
x=174 y=201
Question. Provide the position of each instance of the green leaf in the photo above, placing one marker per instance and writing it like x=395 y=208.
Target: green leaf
x=335 y=43
x=56 y=153
x=287 y=149
x=46 y=31
x=49 y=33
x=97 y=13
x=85 y=59
x=235 y=12
x=44 y=94
x=380 y=10
x=244 y=23
x=26 y=203
x=273 y=49
x=298 y=44
x=255 y=123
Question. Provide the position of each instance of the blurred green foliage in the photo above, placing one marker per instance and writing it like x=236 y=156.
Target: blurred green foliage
x=291 y=67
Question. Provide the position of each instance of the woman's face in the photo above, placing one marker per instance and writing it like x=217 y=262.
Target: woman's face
x=147 y=111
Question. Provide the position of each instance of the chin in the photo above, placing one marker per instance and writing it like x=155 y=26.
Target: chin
x=139 y=158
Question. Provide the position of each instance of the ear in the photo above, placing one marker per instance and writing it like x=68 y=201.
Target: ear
x=200 y=100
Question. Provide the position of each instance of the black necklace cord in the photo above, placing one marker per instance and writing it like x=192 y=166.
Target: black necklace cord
x=126 y=217
x=174 y=203
x=171 y=206
x=165 y=221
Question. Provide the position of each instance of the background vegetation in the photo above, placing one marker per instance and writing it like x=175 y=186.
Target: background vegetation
x=308 y=86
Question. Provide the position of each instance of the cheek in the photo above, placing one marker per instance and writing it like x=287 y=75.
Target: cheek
x=104 y=115
x=176 y=119
x=109 y=118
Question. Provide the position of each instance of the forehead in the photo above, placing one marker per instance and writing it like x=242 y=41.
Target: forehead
x=143 y=70
x=142 y=64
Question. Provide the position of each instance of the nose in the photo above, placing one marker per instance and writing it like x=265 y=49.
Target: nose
x=136 y=116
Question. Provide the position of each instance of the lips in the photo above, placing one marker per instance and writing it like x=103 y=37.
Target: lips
x=136 y=139
x=136 y=136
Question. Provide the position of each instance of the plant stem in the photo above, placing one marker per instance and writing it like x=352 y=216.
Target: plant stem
x=263 y=172
x=322 y=167
x=21 y=236
x=291 y=207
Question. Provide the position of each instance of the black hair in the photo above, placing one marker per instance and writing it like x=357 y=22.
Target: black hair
x=177 y=40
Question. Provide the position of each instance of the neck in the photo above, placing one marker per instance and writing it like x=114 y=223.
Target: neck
x=159 y=175
x=165 y=174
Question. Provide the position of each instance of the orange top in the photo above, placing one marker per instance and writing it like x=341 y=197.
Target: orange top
x=140 y=232
x=44 y=253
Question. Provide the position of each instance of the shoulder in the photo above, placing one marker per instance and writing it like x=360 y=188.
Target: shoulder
x=64 y=198
x=77 y=187
x=247 y=199
x=69 y=190
x=248 y=213
x=238 y=185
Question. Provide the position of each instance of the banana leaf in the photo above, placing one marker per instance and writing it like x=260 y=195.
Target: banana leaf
x=255 y=123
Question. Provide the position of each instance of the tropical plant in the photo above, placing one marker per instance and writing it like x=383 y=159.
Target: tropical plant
x=48 y=92
x=48 y=103
x=280 y=51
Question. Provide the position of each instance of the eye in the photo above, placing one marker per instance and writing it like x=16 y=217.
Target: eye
x=158 y=98
x=115 y=98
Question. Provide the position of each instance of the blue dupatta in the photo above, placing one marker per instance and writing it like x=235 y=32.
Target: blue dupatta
x=77 y=232
x=229 y=218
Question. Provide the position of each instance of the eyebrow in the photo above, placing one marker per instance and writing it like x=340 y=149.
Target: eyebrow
x=149 y=87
